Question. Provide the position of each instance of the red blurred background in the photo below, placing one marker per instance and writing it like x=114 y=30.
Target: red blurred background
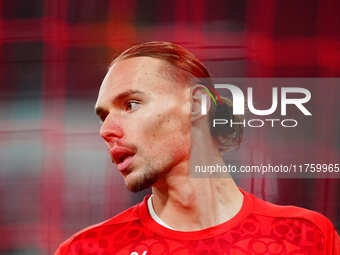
x=55 y=174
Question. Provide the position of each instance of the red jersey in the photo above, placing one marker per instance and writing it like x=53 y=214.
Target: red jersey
x=259 y=228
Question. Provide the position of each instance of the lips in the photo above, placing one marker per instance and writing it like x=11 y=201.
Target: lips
x=122 y=156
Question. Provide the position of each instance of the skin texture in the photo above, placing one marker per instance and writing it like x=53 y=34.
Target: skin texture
x=157 y=124
x=163 y=126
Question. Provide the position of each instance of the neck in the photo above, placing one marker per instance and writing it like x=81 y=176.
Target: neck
x=188 y=204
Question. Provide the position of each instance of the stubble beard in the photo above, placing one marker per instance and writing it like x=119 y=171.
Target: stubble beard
x=143 y=178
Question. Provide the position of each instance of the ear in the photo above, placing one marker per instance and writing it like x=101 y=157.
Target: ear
x=200 y=102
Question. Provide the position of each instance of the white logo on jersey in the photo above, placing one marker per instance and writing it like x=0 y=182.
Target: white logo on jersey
x=136 y=253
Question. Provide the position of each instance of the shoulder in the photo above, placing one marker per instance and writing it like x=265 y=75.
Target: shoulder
x=264 y=208
x=292 y=219
x=97 y=235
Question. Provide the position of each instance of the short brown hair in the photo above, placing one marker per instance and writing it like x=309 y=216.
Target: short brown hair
x=183 y=59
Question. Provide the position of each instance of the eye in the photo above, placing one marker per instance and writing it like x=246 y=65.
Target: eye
x=131 y=105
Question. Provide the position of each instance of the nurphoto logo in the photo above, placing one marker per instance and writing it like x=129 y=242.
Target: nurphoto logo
x=238 y=100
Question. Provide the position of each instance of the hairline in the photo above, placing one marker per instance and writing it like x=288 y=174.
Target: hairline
x=167 y=70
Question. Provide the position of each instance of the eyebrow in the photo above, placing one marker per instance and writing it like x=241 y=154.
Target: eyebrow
x=99 y=110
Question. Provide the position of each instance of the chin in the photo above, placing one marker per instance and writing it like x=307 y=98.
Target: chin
x=140 y=180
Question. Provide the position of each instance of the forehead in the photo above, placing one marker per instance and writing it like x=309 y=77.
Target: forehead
x=138 y=73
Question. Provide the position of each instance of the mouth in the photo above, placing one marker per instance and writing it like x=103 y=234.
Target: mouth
x=122 y=157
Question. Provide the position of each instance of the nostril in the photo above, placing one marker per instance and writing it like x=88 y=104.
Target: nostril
x=108 y=136
x=111 y=132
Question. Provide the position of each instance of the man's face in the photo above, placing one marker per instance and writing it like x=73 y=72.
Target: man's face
x=146 y=120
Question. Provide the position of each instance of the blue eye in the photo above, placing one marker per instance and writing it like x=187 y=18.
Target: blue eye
x=131 y=105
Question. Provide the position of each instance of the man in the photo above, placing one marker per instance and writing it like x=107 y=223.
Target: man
x=150 y=105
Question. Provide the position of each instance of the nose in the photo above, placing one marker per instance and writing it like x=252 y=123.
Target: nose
x=111 y=129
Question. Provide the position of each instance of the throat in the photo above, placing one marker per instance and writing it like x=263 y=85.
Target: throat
x=154 y=215
x=205 y=204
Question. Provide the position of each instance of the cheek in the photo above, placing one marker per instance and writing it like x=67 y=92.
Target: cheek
x=168 y=132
